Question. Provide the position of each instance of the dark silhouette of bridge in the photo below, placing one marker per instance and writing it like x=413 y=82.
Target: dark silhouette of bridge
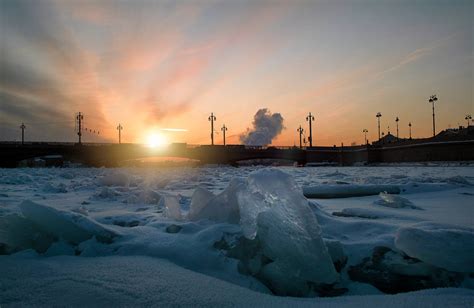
x=442 y=148
x=116 y=154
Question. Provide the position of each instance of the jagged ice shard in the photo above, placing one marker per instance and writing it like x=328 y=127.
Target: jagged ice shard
x=274 y=212
x=273 y=209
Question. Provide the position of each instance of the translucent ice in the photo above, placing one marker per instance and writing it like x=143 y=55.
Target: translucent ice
x=445 y=246
x=274 y=210
x=199 y=200
x=171 y=205
x=394 y=201
x=72 y=227
x=39 y=226
x=223 y=207
x=18 y=233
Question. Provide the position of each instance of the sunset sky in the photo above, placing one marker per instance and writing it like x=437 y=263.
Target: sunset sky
x=151 y=65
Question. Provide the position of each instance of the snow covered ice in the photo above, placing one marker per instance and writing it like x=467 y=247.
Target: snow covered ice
x=236 y=236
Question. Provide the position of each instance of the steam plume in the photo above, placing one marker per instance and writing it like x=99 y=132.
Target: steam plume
x=266 y=126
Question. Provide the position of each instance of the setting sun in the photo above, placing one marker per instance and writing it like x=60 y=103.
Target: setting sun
x=155 y=140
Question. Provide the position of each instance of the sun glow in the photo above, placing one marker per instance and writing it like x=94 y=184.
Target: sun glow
x=156 y=140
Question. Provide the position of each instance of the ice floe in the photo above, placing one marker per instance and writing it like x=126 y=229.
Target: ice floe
x=394 y=201
x=348 y=190
x=446 y=246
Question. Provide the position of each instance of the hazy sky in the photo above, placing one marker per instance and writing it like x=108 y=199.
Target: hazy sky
x=168 y=64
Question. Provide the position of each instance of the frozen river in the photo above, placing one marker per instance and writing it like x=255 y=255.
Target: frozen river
x=150 y=236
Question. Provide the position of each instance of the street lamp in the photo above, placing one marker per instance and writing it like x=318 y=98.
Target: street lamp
x=79 y=119
x=119 y=128
x=378 y=120
x=212 y=118
x=432 y=100
x=365 y=131
x=409 y=127
x=300 y=130
x=468 y=119
x=224 y=129
x=310 y=118
x=22 y=126
x=396 y=120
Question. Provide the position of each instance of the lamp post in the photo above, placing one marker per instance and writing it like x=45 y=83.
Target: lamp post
x=409 y=127
x=119 y=128
x=310 y=118
x=468 y=119
x=79 y=119
x=365 y=131
x=224 y=129
x=378 y=115
x=212 y=118
x=300 y=130
x=432 y=100
x=22 y=126
x=396 y=120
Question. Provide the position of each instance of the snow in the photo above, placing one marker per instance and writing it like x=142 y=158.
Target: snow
x=115 y=179
x=146 y=281
x=446 y=246
x=60 y=248
x=150 y=237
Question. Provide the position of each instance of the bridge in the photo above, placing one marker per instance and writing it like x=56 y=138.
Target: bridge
x=110 y=155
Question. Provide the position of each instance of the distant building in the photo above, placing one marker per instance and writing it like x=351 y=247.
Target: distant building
x=450 y=134
x=387 y=139
x=461 y=133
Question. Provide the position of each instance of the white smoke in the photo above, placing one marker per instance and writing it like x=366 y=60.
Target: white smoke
x=266 y=126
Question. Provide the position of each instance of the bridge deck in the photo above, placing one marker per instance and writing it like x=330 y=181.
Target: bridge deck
x=114 y=154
